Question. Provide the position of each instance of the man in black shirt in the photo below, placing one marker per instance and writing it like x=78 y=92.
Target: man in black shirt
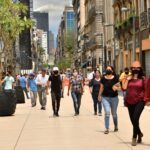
x=56 y=87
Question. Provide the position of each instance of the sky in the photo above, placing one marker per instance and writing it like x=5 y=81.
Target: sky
x=55 y=9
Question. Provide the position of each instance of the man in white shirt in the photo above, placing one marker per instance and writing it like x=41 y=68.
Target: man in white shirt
x=42 y=84
x=9 y=81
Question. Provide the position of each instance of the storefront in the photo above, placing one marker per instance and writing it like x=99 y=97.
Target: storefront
x=146 y=55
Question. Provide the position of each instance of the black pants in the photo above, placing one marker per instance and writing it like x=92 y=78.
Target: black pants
x=96 y=103
x=135 y=113
x=55 y=101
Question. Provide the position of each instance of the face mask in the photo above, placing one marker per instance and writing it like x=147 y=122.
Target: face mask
x=109 y=72
x=126 y=72
x=75 y=74
x=136 y=72
x=55 y=72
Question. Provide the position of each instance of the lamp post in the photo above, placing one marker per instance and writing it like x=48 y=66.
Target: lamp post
x=114 y=54
x=125 y=9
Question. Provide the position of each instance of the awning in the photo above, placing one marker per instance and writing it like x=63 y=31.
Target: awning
x=84 y=65
x=145 y=44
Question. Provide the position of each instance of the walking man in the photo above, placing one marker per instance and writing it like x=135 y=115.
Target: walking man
x=56 y=87
x=42 y=86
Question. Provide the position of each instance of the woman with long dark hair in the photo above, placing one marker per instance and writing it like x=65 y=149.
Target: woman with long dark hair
x=94 y=90
x=134 y=85
x=109 y=96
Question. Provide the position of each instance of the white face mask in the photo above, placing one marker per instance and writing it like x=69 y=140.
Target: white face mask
x=75 y=74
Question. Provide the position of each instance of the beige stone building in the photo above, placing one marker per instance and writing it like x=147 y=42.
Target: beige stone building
x=94 y=34
x=131 y=19
x=79 y=9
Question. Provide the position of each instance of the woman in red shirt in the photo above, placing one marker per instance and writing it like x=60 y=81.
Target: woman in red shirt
x=134 y=85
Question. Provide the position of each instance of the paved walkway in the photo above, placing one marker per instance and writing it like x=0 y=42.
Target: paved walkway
x=34 y=129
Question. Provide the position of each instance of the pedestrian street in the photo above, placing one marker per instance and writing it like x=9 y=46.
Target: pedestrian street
x=36 y=129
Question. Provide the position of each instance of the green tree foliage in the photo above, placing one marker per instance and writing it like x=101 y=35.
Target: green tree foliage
x=67 y=60
x=11 y=21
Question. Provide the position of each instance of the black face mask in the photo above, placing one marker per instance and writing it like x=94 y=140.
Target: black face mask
x=126 y=72
x=55 y=72
x=136 y=72
x=109 y=72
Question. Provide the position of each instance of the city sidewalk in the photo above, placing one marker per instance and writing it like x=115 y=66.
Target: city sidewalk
x=35 y=129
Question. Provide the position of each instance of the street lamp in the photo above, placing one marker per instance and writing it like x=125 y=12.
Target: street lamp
x=125 y=9
x=102 y=54
x=114 y=56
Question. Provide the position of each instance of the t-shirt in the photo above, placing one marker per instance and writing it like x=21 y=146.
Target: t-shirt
x=32 y=84
x=42 y=80
x=108 y=84
x=135 y=91
x=22 y=81
x=8 y=82
x=56 y=83
x=95 y=86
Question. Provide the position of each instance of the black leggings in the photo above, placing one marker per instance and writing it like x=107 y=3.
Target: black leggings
x=135 y=113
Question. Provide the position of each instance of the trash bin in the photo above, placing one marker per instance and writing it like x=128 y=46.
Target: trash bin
x=19 y=95
x=7 y=103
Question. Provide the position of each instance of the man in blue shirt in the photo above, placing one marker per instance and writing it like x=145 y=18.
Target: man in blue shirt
x=32 y=86
x=22 y=83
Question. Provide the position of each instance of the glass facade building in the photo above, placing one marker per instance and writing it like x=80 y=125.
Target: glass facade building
x=70 y=18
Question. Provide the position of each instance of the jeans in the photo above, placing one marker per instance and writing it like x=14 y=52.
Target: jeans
x=110 y=104
x=96 y=103
x=42 y=96
x=76 y=96
x=26 y=92
x=33 y=98
x=56 y=97
x=135 y=113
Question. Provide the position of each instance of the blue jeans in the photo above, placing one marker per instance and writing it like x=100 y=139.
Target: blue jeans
x=96 y=103
x=76 y=96
x=110 y=104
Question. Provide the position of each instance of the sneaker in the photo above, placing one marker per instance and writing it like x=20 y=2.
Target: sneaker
x=57 y=115
x=100 y=114
x=133 y=143
x=95 y=113
x=106 y=131
x=116 y=129
x=43 y=108
x=140 y=138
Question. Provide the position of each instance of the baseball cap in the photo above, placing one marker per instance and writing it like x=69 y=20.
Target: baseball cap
x=55 y=69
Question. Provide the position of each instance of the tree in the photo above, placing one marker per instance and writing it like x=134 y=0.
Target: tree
x=12 y=24
x=67 y=60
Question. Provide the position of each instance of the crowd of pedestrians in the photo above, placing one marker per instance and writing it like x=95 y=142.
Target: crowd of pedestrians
x=103 y=88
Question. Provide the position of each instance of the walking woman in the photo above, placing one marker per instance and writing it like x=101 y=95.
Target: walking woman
x=94 y=90
x=109 y=96
x=134 y=85
x=76 y=85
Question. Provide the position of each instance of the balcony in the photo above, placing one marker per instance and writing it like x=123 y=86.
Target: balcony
x=90 y=44
x=143 y=20
x=91 y=13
